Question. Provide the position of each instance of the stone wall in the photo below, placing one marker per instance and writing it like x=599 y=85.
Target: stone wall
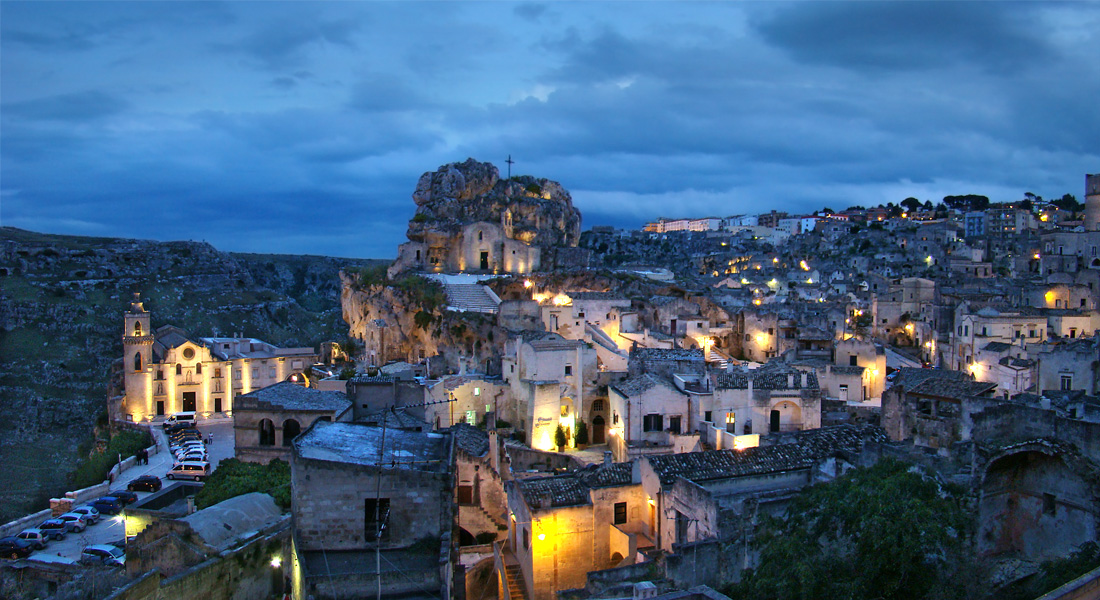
x=329 y=502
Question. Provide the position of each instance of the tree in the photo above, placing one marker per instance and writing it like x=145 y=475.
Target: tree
x=560 y=437
x=927 y=205
x=887 y=532
x=911 y=204
x=582 y=433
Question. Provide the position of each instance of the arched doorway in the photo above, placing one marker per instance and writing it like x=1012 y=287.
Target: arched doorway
x=598 y=428
x=291 y=429
x=267 y=432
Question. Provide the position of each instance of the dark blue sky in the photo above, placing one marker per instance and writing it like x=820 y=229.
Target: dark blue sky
x=303 y=127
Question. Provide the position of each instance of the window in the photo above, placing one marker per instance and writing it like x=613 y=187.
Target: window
x=1072 y=332
x=1067 y=382
x=597 y=405
x=137 y=361
x=479 y=236
x=179 y=369
x=966 y=330
x=652 y=422
x=615 y=419
x=526 y=539
x=137 y=324
x=267 y=432
x=217 y=373
x=674 y=424
x=1049 y=507
x=706 y=416
x=852 y=361
x=620 y=513
x=376 y=512
x=477 y=391
x=771 y=331
x=580 y=315
x=568 y=370
x=198 y=369
x=1030 y=333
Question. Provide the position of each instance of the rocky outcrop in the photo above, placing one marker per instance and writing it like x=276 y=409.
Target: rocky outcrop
x=536 y=211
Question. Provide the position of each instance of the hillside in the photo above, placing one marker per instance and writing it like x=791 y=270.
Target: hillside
x=61 y=305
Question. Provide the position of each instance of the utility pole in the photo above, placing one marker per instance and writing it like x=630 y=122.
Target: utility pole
x=510 y=163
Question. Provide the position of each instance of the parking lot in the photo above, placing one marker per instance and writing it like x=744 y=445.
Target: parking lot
x=111 y=529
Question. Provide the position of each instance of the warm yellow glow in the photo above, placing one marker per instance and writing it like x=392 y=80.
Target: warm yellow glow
x=746 y=441
x=1049 y=297
x=652 y=502
x=805 y=267
x=527 y=283
x=744 y=281
x=874 y=372
x=761 y=338
x=1044 y=219
x=616 y=431
x=540 y=298
x=775 y=260
x=757 y=301
x=909 y=328
x=1036 y=256
x=276 y=561
x=542 y=537
x=929 y=260
x=562 y=300
x=810 y=280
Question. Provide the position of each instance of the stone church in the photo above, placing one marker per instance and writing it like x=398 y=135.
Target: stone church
x=166 y=371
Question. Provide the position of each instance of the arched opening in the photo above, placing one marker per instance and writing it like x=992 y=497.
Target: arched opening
x=465 y=538
x=137 y=361
x=291 y=429
x=1034 y=506
x=785 y=416
x=137 y=327
x=598 y=430
x=267 y=432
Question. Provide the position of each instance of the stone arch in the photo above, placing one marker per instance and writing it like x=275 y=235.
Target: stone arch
x=137 y=361
x=291 y=429
x=1037 y=501
x=789 y=414
x=267 y=432
x=137 y=328
x=465 y=538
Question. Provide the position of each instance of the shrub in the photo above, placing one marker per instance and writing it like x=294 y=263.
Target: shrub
x=582 y=433
x=95 y=468
x=560 y=438
x=423 y=319
x=234 y=477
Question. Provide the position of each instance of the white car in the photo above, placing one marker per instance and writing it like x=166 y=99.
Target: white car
x=91 y=515
x=75 y=521
x=103 y=554
x=34 y=537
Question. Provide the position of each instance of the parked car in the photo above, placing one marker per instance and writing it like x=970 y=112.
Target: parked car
x=145 y=483
x=199 y=455
x=107 y=505
x=180 y=418
x=34 y=537
x=125 y=496
x=55 y=528
x=184 y=433
x=74 y=521
x=175 y=448
x=91 y=515
x=189 y=470
x=13 y=548
x=103 y=554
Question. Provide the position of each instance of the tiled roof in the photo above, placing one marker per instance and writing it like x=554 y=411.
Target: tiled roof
x=354 y=443
x=911 y=377
x=849 y=370
x=997 y=346
x=668 y=354
x=952 y=388
x=634 y=386
x=372 y=379
x=774 y=375
x=395 y=418
x=595 y=296
x=470 y=439
x=290 y=396
x=809 y=446
x=573 y=489
x=814 y=334
x=558 y=344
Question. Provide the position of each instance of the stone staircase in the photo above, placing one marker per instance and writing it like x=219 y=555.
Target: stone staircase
x=494 y=520
x=516 y=589
x=471 y=297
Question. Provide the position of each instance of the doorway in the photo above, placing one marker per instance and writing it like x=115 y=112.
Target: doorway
x=774 y=422
x=217 y=404
x=484 y=260
x=189 y=402
x=598 y=430
x=160 y=408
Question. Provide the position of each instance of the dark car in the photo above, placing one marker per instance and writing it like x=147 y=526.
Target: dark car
x=186 y=432
x=55 y=528
x=107 y=505
x=124 y=496
x=178 y=427
x=13 y=548
x=145 y=483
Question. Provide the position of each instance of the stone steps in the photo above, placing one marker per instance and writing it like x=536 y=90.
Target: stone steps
x=516 y=589
x=470 y=297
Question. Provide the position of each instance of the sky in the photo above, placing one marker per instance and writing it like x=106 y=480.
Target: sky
x=302 y=128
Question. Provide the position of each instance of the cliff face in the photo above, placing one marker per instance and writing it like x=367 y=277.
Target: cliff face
x=540 y=211
x=61 y=305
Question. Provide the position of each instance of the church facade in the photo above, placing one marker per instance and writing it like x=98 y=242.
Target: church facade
x=478 y=247
x=166 y=371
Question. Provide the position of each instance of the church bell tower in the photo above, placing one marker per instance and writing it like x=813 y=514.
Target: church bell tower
x=137 y=349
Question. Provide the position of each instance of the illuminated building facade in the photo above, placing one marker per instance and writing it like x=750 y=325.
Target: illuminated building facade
x=168 y=372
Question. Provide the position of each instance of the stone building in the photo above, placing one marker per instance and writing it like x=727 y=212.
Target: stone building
x=651 y=414
x=773 y=398
x=552 y=380
x=166 y=371
x=357 y=488
x=1070 y=366
x=479 y=485
x=933 y=407
x=470 y=220
x=564 y=526
x=266 y=421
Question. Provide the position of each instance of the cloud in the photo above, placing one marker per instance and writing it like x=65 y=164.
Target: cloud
x=286 y=41
x=75 y=107
x=908 y=35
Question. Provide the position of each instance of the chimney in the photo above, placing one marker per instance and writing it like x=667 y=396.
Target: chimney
x=790 y=380
x=607 y=458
